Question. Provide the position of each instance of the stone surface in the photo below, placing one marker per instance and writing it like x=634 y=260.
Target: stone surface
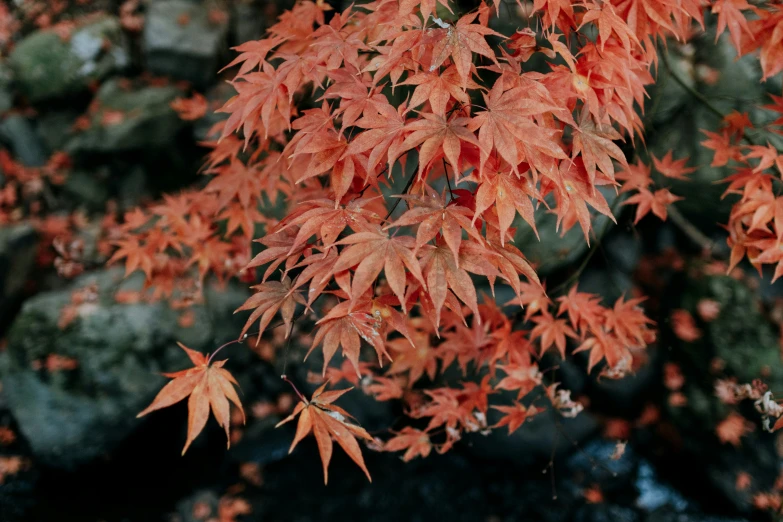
x=6 y=91
x=198 y=507
x=129 y=118
x=56 y=127
x=185 y=40
x=48 y=66
x=250 y=19
x=18 y=245
x=71 y=417
x=26 y=144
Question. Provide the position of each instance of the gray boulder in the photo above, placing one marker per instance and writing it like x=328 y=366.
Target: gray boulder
x=56 y=127
x=48 y=66
x=248 y=21
x=129 y=118
x=72 y=416
x=184 y=40
x=6 y=92
x=18 y=245
x=25 y=142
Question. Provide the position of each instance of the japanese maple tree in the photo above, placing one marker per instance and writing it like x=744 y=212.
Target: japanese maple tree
x=382 y=159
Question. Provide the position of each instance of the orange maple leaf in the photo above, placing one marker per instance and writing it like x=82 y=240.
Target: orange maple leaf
x=328 y=422
x=208 y=385
x=514 y=416
x=416 y=443
x=459 y=42
x=192 y=108
x=595 y=144
x=647 y=201
x=671 y=168
x=268 y=299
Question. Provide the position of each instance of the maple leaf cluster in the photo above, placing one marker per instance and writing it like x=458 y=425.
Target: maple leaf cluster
x=405 y=144
x=756 y=221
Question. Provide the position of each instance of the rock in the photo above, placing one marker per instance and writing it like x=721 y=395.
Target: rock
x=593 y=466
x=133 y=186
x=25 y=142
x=6 y=92
x=129 y=118
x=18 y=246
x=668 y=515
x=248 y=21
x=623 y=250
x=108 y=357
x=607 y=282
x=262 y=443
x=86 y=189
x=654 y=494
x=48 y=66
x=19 y=476
x=126 y=184
x=185 y=40
x=740 y=336
x=56 y=127
x=553 y=252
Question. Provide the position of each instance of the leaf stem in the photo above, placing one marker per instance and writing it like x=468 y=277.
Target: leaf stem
x=298 y=393
x=404 y=191
x=448 y=182
x=235 y=341
x=690 y=230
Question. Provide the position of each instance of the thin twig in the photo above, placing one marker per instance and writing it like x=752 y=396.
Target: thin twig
x=404 y=191
x=690 y=230
x=697 y=95
x=381 y=173
x=693 y=92
x=448 y=182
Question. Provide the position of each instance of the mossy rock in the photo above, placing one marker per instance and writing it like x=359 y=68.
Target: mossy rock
x=49 y=66
x=18 y=246
x=71 y=416
x=185 y=40
x=129 y=118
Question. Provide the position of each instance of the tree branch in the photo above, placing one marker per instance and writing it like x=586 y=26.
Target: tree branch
x=693 y=233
